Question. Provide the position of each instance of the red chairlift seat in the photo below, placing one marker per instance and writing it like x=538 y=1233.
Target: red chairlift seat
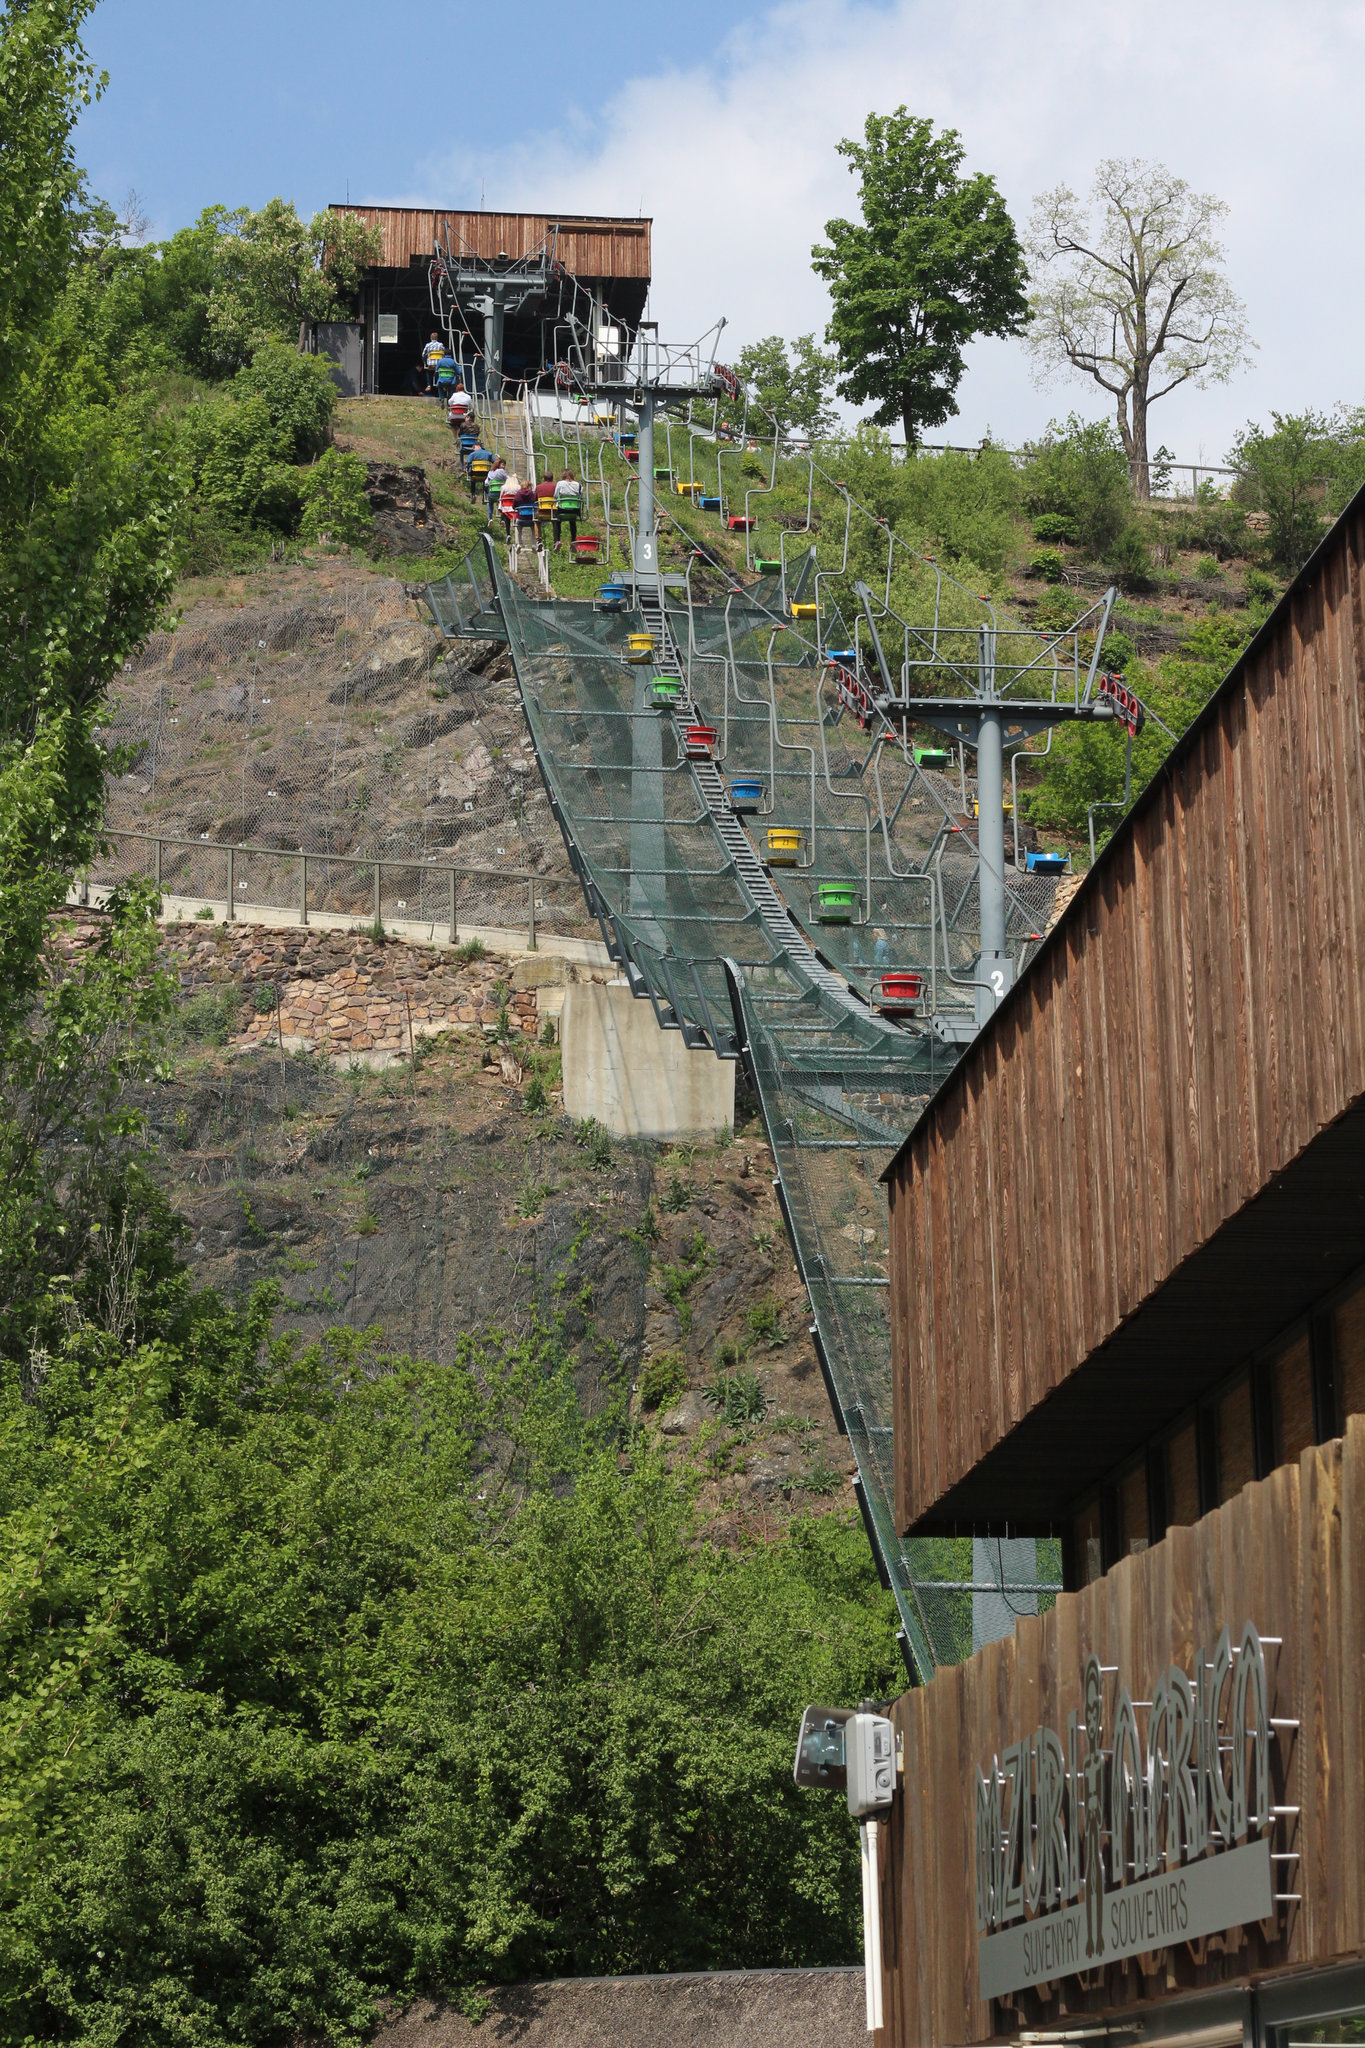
x=900 y=991
x=737 y=523
x=853 y=695
x=698 y=741
x=584 y=549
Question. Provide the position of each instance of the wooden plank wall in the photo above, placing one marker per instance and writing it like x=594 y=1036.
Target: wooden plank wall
x=1198 y=1016
x=1288 y=1554
x=589 y=247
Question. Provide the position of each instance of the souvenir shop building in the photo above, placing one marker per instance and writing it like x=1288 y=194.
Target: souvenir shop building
x=1128 y=1302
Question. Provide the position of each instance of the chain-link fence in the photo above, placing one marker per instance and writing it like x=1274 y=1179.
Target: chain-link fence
x=330 y=751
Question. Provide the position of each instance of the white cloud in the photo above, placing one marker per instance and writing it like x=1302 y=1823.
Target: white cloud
x=735 y=159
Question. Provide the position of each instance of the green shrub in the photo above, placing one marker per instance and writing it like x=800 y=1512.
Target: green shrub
x=265 y=997
x=210 y=1017
x=1048 y=566
x=738 y=1398
x=1079 y=472
x=471 y=950
x=334 y=500
x=1128 y=559
x=663 y=1381
x=595 y=1140
x=1260 y=588
x=299 y=397
x=1055 y=526
x=1119 y=651
x=234 y=454
x=676 y=1196
x=1206 y=568
x=534 y=1095
x=765 y=1324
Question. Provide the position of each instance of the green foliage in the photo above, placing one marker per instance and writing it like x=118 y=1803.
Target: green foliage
x=1300 y=474
x=1206 y=567
x=958 y=508
x=663 y=1380
x=1054 y=526
x=794 y=388
x=334 y=500
x=351 y=1659
x=676 y=1197
x=1048 y=565
x=933 y=263
x=211 y=1016
x=299 y=396
x=1079 y=473
x=1086 y=764
x=534 y=1096
x=274 y=271
x=738 y=1398
x=765 y=1323
x=1260 y=588
x=469 y=952
x=595 y=1141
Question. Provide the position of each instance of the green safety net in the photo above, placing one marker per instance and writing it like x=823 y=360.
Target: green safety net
x=840 y=1084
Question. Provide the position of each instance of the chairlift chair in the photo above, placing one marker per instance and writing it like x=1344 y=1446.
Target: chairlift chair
x=737 y=523
x=785 y=843
x=666 y=691
x=836 y=902
x=639 y=646
x=1046 y=863
x=746 y=795
x=698 y=741
x=709 y=503
x=585 y=548
x=899 y=991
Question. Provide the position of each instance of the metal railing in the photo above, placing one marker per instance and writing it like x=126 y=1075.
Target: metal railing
x=436 y=878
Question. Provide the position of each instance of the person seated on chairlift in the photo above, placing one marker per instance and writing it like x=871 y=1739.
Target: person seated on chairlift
x=524 y=511
x=494 y=483
x=545 y=505
x=568 y=505
x=458 y=405
x=507 y=500
x=431 y=359
x=447 y=370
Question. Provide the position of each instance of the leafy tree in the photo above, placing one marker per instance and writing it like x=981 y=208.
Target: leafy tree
x=399 y=1679
x=933 y=263
x=1079 y=473
x=334 y=499
x=793 y=388
x=1303 y=469
x=299 y=397
x=1130 y=290
x=275 y=271
x=1087 y=762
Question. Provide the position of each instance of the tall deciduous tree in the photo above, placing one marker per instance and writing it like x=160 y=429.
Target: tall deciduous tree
x=793 y=387
x=933 y=263
x=275 y=270
x=1130 y=290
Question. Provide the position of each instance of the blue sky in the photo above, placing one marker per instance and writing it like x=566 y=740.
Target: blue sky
x=720 y=121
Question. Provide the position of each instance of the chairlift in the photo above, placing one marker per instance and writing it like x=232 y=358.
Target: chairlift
x=709 y=504
x=663 y=476
x=737 y=523
x=836 y=902
x=584 y=549
x=612 y=597
x=746 y=794
x=933 y=757
x=784 y=846
x=687 y=490
x=805 y=611
x=842 y=654
x=666 y=691
x=698 y=741
x=1046 y=863
x=898 y=991
x=768 y=568
x=639 y=646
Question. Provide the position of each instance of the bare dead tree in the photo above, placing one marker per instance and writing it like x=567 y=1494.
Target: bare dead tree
x=1130 y=290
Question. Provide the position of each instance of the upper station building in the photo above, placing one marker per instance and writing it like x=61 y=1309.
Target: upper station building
x=606 y=259
x=1128 y=1307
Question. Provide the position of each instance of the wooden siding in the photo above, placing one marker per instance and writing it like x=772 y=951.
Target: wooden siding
x=1195 y=1020
x=1288 y=1555
x=587 y=246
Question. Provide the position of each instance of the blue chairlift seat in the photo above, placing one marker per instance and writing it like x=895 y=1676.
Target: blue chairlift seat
x=612 y=597
x=746 y=794
x=846 y=654
x=1046 y=863
x=709 y=504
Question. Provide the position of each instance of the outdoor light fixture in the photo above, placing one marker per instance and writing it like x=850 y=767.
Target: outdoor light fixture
x=839 y=1750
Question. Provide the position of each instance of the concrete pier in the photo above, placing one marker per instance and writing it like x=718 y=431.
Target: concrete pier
x=639 y=1081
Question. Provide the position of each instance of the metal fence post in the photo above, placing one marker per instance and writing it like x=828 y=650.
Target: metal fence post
x=232 y=881
x=158 y=864
x=531 y=913
x=453 y=938
x=377 y=866
x=303 y=887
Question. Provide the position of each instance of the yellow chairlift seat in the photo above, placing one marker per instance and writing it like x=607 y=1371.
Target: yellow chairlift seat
x=784 y=846
x=639 y=647
x=805 y=611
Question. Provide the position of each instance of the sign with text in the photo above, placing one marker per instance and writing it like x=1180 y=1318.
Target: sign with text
x=1106 y=1848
